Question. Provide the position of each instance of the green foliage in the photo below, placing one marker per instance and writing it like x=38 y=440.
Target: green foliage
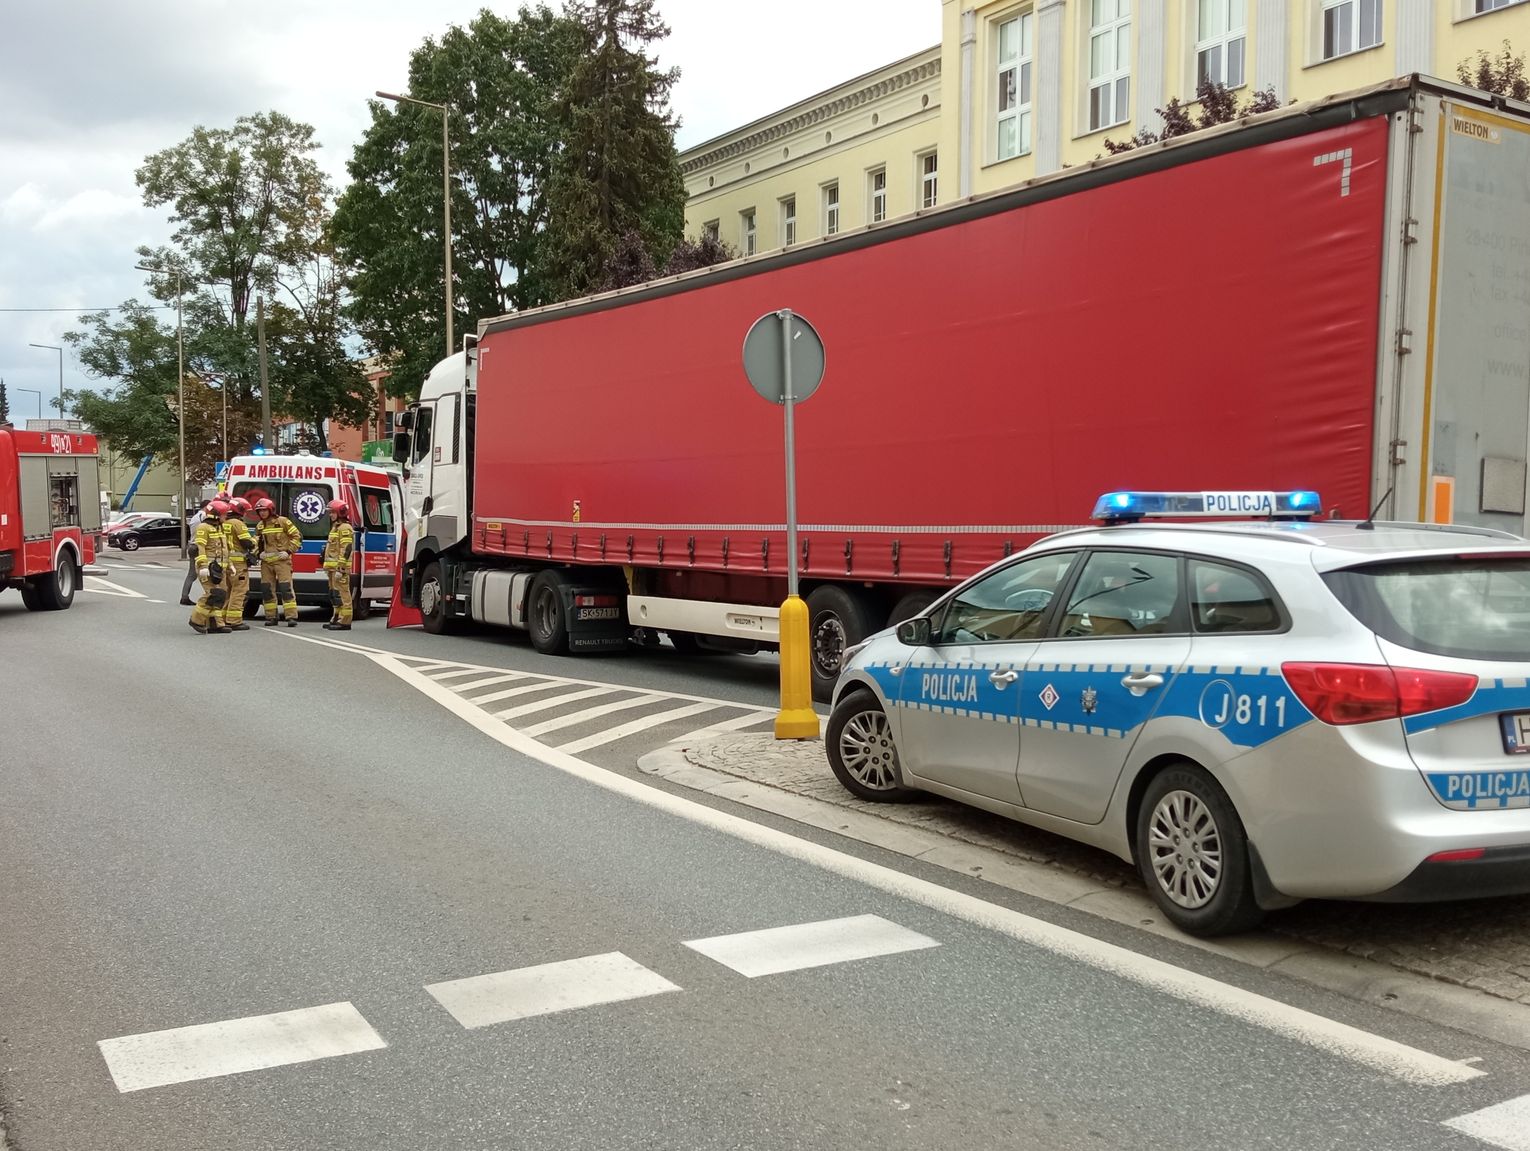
x=631 y=263
x=1213 y=104
x=502 y=80
x=617 y=170
x=1503 y=74
x=5 y=405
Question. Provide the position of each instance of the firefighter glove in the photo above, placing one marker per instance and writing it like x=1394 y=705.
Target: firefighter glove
x=203 y=574
x=215 y=570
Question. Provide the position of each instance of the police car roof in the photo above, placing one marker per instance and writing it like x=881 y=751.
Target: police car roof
x=1335 y=543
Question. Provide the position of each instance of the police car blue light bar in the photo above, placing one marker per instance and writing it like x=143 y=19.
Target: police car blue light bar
x=1120 y=507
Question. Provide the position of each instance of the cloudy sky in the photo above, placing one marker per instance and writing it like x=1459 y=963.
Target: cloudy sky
x=88 y=88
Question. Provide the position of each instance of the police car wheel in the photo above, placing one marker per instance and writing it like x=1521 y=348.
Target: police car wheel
x=1193 y=854
x=862 y=753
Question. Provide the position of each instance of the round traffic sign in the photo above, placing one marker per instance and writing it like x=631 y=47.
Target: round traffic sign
x=765 y=358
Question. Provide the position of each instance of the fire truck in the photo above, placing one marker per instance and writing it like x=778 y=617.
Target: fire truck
x=49 y=515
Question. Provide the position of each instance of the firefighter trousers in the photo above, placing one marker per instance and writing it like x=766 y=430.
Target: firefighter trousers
x=238 y=592
x=340 y=595
x=209 y=609
x=276 y=586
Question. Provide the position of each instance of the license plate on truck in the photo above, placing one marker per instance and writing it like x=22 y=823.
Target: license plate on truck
x=589 y=613
x=1516 y=732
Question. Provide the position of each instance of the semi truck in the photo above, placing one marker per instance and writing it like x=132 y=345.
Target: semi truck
x=50 y=519
x=1330 y=296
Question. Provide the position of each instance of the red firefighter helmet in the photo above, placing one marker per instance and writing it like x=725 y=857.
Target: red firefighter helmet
x=265 y=505
x=218 y=508
x=338 y=510
x=239 y=504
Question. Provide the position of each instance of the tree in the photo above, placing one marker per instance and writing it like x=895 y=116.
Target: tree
x=502 y=80
x=1213 y=104
x=632 y=263
x=5 y=405
x=618 y=170
x=1503 y=74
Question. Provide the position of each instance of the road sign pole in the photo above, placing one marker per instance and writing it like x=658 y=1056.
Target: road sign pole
x=796 y=719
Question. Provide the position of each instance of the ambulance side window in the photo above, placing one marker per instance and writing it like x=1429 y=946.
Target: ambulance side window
x=376 y=511
x=421 y=435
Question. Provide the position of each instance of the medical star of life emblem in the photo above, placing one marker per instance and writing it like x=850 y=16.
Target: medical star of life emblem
x=1090 y=699
x=1049 y=697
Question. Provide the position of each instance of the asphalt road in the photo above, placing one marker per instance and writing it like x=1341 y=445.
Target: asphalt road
x=228 y=833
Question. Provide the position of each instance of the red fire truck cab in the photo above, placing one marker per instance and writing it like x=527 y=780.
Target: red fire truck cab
x=50 y=514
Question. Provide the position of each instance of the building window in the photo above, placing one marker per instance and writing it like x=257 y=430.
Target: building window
x=1349 y=26
x=878 y=204
x=789 y=221
x=1110 y=62
x=929 y=179
x=830 y=209
x=1221 y=34
x=748 y=240
x=712 y=230
x=1493 y=5
x=1014 y=103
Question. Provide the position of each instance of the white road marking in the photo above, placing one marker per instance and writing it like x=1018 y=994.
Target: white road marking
x=632 y=727
x=455 y=673
x=159 y=1058
x=1401 y=1062
x=737 y=723
x=778 y=949
x=547 y=704
x=590 y=713
x=156 y=601
x=464 y=688
x=547 y=988
x=1507 y=1125
x=540 y=685
x=100 y=586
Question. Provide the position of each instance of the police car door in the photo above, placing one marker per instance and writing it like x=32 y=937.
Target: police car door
x=1117 y=643
x=959 y=706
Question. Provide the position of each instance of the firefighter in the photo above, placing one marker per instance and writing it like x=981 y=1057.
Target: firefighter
x=241 y=544
x=212 y=570
x=279 y=538
x=337 y=564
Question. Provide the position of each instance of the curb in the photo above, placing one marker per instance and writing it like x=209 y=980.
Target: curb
x=1462 y=1008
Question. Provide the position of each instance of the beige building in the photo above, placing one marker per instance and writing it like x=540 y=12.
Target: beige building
x=1021 y=88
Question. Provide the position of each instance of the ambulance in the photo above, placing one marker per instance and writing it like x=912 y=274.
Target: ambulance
x=49 y=518
x=301 y=487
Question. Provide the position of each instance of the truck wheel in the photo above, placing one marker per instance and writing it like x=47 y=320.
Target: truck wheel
x=29 y=598
x=56 y=592
x=838 y=618
x=546 y=618
x=433 y=616
x=910 y=606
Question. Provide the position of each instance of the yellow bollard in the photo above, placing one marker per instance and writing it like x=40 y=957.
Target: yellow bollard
x=796 y=719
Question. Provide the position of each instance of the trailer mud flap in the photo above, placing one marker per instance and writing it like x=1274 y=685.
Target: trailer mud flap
x=597 y=618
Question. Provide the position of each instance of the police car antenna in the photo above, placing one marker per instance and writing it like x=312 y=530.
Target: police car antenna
x=1369 y=523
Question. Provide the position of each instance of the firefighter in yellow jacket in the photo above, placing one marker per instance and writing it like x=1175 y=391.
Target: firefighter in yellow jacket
x=212 y=571
x=241 y=545
x=279 y=538
x=337 y=564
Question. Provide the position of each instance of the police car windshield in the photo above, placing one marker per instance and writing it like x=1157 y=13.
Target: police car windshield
x=1468 y=608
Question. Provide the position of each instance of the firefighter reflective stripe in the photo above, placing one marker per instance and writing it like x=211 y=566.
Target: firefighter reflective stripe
x=240 y=541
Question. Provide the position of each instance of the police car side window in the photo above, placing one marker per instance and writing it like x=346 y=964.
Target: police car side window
x=1009 y=605
x=1125 y=594
x=1229 y=599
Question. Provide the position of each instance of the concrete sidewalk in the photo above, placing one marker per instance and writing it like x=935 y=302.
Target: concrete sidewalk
x=1452 y=963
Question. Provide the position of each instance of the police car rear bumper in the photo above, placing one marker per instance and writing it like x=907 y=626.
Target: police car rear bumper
x=1498 y=871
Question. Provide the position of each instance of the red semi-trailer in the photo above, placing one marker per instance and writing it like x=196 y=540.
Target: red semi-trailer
x=1331 y=296
x=50 y=514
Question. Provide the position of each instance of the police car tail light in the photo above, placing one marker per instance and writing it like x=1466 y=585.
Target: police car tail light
x=1128 y=507
x=1346 y=693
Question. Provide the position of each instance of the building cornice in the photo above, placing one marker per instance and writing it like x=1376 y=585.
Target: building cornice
x=706 y=156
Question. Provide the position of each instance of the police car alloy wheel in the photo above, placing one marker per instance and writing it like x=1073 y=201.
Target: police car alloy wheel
x=1193 y=855
x=861 y=750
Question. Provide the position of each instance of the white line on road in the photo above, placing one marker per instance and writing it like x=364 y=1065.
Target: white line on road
x=737 y=723
x=160 y=601
x=464 y=688
x=159 y=1058
x=455 y=673
x=548 y=704
x=1407 y=1064
x=507 y=693
x=100 y=586
x=1507 y=1125
x=590 y=713
x=547 y=988
x=778 y=949
x=632 y=727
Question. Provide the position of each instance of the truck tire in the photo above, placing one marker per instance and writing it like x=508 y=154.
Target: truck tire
x=29 y=598
x=838 y=618
x=433 y=615
x=55 y=592
x=910 y=606
x=546 y=614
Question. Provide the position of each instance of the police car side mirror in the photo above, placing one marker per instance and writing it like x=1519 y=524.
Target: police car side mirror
x=914 y=632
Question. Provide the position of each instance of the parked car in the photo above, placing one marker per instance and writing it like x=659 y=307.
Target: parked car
x=1253 y=713
x=149 y=532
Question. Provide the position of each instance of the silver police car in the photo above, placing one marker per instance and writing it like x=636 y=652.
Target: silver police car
x=1254 y=713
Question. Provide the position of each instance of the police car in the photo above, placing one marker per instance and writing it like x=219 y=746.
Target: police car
x=1254 y=713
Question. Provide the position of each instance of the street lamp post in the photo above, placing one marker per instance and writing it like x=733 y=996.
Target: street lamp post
x=38 y=394
x=60 y=351
x=180 y=402
x=446 y=195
